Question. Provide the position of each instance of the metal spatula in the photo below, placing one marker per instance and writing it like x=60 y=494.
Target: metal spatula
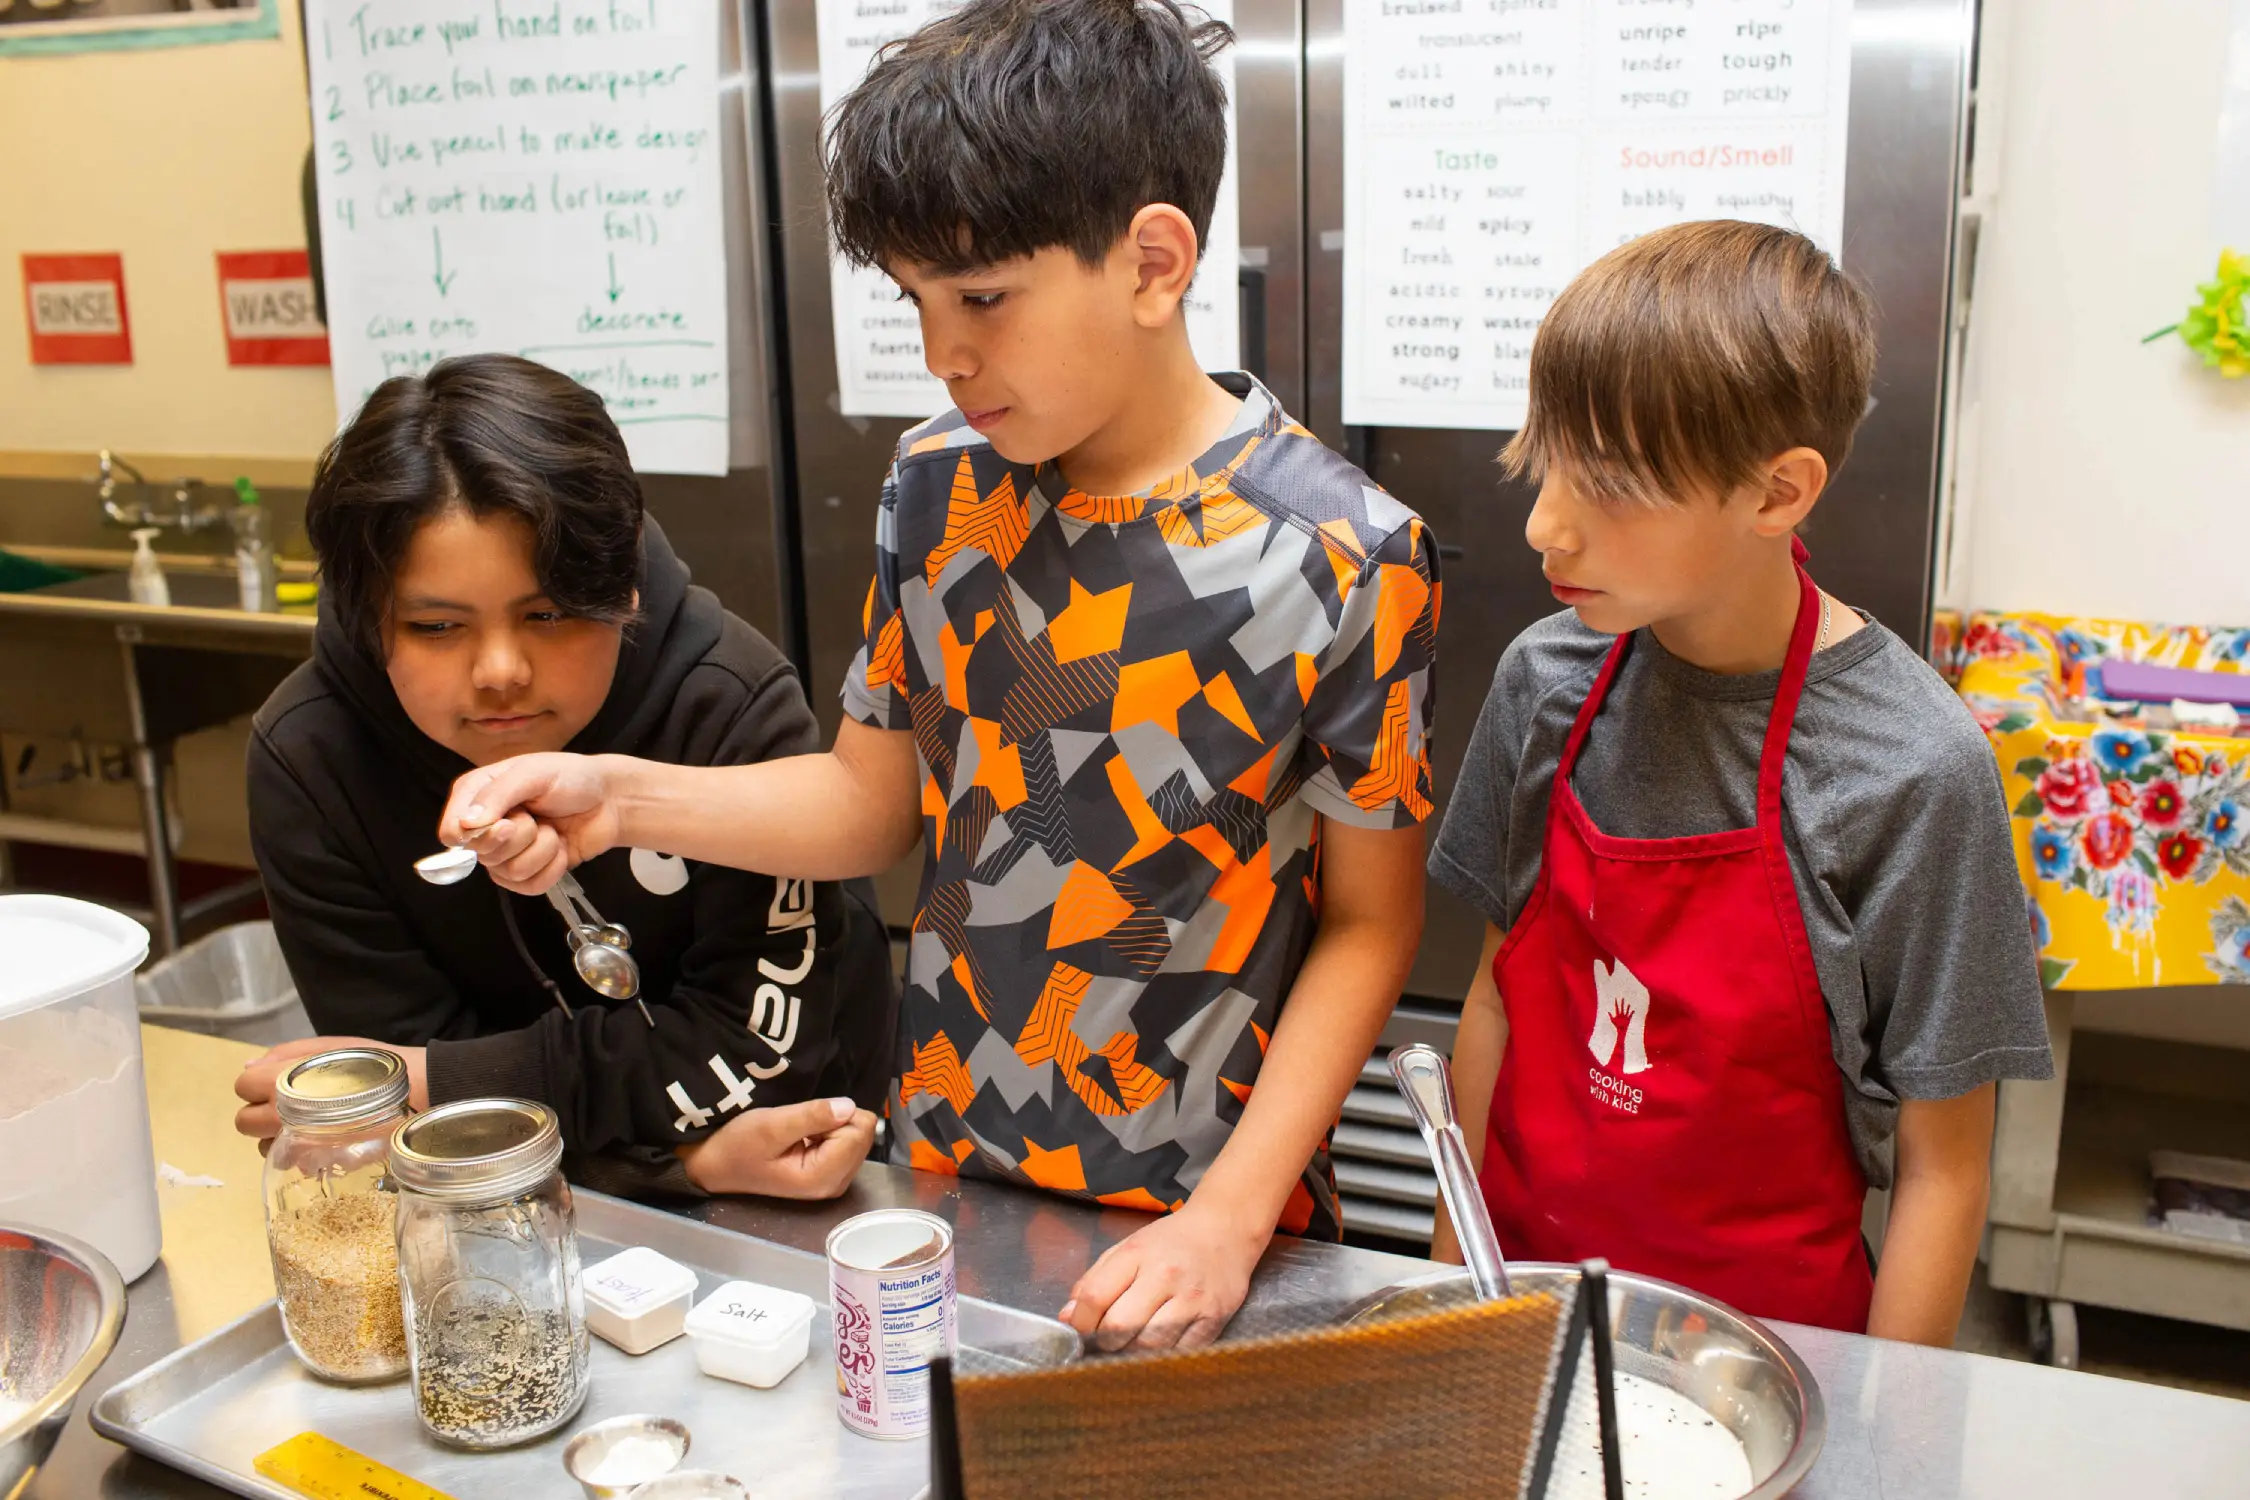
x=1427 y=1083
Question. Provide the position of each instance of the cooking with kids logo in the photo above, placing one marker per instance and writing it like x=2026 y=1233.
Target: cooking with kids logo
x=1620 y=1027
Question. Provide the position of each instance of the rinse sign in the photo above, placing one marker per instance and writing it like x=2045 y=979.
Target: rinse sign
x=74 y=308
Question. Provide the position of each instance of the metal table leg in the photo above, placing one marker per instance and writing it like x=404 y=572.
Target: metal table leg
x=148 y=778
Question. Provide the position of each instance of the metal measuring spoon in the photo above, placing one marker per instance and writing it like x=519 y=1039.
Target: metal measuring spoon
x=447 y=866
x=597 y=948
x=596 y=927
x=607 y=969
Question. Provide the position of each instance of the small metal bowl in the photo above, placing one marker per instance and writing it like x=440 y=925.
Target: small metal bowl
x=61 y=1306
x=1731 y=1365
x=584 y=1453
x=694 y=1484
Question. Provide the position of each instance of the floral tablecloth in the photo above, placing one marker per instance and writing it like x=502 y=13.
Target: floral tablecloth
x=2131 y=831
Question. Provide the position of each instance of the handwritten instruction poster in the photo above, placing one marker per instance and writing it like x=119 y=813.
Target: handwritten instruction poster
x=540 y=177
x=1494 y=148
x=879 y=368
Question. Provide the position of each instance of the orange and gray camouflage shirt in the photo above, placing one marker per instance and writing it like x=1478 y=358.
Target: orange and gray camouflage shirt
x=1132 y=715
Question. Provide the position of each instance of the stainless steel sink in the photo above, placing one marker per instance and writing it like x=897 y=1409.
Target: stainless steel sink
x=67 y=652
x=189 y=590
x=80 y=661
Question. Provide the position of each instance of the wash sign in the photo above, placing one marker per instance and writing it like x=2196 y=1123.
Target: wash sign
x=266 y=298
x=74 y=308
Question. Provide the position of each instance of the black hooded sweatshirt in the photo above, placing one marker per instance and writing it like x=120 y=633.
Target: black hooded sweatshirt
x=760 y=991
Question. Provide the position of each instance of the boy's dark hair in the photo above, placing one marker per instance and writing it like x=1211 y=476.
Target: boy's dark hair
x=1691 y=355
x=1013 y=126
x=496 y=435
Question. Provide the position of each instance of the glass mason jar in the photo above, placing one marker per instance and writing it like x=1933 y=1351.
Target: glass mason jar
x=488 y=1261
x=332 y=1214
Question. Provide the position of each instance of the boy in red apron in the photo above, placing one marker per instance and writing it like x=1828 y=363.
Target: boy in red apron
x=1756 y=933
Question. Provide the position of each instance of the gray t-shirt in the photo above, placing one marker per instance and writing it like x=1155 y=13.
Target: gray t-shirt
x=1893 y=816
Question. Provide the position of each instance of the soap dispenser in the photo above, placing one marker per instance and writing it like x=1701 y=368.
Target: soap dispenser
x=144 y=581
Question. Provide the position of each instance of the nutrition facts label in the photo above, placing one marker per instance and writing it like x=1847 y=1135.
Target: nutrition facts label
x=1493 y=148
x=879 y=368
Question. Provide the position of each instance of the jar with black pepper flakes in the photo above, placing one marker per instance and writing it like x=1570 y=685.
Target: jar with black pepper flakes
x=332 y=1215
x=488 y=1262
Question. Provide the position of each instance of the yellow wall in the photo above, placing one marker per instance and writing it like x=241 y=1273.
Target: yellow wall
x=167 y=156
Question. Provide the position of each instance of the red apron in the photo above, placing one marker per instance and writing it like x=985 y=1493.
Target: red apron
x=1668 y=1098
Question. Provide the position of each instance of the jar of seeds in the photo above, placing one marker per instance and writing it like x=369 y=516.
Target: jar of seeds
x=332 y=1215
x=488 y=1261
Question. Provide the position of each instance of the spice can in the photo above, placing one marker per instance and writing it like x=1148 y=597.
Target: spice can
x=890 y=1283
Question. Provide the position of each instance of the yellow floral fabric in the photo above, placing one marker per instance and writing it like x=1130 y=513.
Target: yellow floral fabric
x=2130 y=831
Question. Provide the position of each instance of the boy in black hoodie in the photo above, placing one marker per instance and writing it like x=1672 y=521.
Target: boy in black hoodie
x=492 y=586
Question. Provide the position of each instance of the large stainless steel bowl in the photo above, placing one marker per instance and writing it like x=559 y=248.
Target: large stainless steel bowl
x=61 y=1306
x=1732 y=1366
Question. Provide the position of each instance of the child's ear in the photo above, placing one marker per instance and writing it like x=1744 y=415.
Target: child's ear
x=1162 y=244
x=1791 y=484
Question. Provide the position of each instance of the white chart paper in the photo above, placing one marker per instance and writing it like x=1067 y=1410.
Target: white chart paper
x=1494 y=148
x=537 y=177
x=879 y=369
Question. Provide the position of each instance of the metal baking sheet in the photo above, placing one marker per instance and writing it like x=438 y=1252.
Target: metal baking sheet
x=215 y=1405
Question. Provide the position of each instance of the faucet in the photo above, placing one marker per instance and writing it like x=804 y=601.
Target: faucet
x=107 y=488
x=184 y=516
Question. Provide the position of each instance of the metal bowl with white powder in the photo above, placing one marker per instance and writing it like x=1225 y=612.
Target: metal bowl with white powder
x=1711 y=1404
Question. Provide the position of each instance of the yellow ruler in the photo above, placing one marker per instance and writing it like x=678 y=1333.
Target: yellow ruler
x=327 y=1470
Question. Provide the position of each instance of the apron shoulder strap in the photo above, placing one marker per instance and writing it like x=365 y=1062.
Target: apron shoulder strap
x=1794 y=668
x=1592 y=706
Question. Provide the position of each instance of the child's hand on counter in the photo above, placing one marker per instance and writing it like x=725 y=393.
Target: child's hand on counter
x=807 y=1150
x=1172 y=1283
x=254 y=1085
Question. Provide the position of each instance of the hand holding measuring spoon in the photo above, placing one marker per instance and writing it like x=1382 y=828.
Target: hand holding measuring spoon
x=532 y=817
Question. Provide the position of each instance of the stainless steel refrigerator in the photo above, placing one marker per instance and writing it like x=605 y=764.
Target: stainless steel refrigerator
x=1909 y=90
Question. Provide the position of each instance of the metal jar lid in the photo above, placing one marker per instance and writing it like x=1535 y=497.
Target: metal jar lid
x=350 y=1086
x=477 y=1150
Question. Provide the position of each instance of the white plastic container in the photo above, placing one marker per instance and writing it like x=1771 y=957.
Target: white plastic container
x=638 y=1299
x=74 y=1144
x=751 y=1333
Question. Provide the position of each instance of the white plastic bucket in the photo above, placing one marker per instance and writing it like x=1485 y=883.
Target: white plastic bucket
x=74 y=1140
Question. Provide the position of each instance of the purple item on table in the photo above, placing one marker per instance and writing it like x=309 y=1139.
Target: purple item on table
x=2146 y=684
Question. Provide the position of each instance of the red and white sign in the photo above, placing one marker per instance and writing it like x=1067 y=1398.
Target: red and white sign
x=74 y=306
x=266 y=297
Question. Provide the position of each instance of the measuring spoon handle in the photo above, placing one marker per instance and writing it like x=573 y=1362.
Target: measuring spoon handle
x=1426 y=1082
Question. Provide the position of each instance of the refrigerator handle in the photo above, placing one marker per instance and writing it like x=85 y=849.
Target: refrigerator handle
x=1252 y=285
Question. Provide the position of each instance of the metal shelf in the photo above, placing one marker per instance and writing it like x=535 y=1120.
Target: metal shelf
x=1380 y=1144
x=1358 y=1179
x=1409 y=1228
x=1378 y=1104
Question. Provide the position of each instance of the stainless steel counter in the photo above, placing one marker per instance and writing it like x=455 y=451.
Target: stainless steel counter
x=1903 y=1423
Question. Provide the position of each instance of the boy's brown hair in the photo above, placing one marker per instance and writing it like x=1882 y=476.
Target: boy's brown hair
x=1686 y=358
